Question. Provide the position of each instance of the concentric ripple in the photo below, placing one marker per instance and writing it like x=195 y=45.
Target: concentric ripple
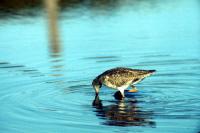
x=47 y=89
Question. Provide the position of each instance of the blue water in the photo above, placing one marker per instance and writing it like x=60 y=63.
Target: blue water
x=45 y=89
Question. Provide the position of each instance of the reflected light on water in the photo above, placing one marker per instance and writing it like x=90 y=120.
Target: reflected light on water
x=52 y=12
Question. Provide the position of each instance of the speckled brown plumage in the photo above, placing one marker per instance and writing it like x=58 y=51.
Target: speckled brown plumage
x=120 y=78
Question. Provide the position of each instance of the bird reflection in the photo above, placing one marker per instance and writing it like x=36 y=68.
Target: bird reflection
x=123 y=113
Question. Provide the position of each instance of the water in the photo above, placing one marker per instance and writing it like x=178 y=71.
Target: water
x=48 y=89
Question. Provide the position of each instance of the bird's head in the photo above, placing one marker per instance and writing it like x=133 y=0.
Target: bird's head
x=96 y=85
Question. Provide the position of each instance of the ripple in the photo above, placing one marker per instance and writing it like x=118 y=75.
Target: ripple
x=103 y=59
x=170 y=62
x=19 y=66
x=156 y=55
x=3 y=63
x=181 y=74
x=23 y=70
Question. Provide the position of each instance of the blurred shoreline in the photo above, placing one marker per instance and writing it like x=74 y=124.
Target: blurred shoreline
x=36 y=7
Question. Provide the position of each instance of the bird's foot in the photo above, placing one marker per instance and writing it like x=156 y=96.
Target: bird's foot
x=134 y=89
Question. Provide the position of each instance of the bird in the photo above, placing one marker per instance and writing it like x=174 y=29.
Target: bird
x=120 y=78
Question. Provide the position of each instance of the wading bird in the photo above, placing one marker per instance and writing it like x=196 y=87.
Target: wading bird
x=120 y=78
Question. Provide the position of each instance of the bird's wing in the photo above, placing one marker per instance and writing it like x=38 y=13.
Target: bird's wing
x=121 y=76
x=114 y=82
x=117 y=79
x=126 y=72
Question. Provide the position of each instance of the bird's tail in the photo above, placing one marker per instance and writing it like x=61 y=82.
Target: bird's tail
x=148 y=73
x=151 y=71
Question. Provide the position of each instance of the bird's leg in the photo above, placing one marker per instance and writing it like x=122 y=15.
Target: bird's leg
x=122 y=92
x=121 y=89
x=133 y=89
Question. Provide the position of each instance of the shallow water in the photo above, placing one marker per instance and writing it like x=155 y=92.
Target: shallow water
x=48 y=89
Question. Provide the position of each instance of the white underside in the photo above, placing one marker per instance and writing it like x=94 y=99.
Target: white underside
x=121 y=89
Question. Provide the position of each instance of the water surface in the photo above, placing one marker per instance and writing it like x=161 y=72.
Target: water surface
x=48 y=89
